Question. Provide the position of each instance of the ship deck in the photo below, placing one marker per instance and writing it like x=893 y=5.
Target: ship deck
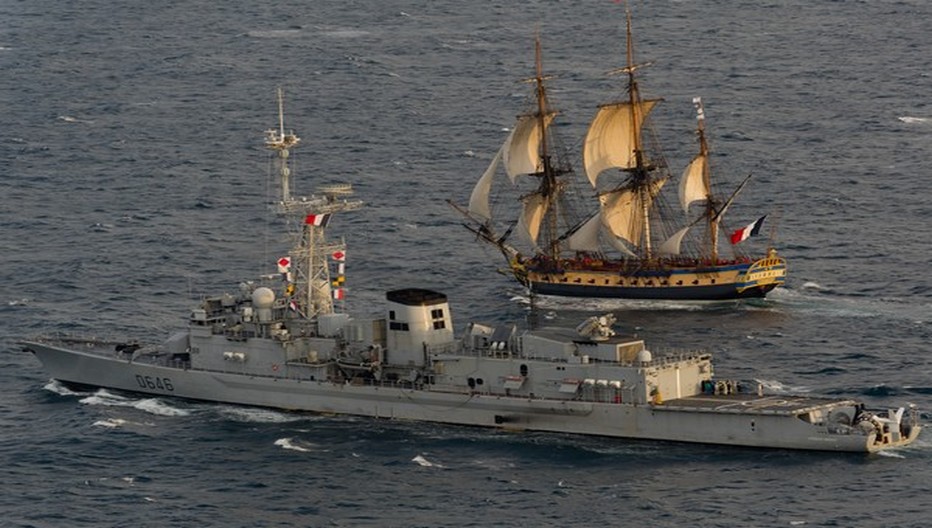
x=751 y=404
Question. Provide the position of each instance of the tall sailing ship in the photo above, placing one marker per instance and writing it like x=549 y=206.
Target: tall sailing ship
x=633 y=246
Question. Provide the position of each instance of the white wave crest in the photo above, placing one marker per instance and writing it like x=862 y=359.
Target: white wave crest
x=891 y=453
x=149 y=405
x=554 y=302
x=106 y=398
x=256 y=415
x=59 y=388
x=295 y=444
x=72 y=119
x=111 y=423
x=286 y=443
x=423 y=462
x=777 y=387
x=910 y=119
x=160 y=408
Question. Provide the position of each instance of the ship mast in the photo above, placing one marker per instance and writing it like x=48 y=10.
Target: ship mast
x=640 y=172
x=696 y=184
x=548 y=188
x=309 y=277
x=281 y=143
x=711 y=214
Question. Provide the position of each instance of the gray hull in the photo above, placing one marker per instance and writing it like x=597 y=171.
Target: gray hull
x=698 y=420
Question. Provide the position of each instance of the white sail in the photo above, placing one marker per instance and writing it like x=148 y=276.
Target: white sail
x=522 y=148
x=622 y=211
x=671 y=246
x=693 y=184
x=613 y=136
x=479 y=199
x=586 y=238
x=616 y=243
x=535 y=207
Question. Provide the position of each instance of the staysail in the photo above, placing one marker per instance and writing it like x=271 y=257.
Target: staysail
x=671 y=246
x=479 y=199
x=586 y=238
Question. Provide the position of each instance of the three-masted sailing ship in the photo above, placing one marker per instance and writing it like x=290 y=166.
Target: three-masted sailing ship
x=633 y=246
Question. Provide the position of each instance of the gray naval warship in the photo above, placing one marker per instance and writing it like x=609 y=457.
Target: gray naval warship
x=278 y=342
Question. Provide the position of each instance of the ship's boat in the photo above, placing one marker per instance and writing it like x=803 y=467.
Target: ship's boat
x=619 y=238
x=281 y=342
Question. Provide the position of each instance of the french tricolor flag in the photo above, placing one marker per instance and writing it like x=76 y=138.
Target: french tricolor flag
x=748 y=231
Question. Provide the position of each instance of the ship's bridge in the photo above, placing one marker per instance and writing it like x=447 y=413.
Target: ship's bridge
x=418 y=320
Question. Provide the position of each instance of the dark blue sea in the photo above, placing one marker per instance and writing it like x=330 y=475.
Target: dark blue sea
x=133 y=180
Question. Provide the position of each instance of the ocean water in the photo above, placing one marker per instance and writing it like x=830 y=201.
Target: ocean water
x=134 y=180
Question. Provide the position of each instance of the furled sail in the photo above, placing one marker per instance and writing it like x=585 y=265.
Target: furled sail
x=479 y=199
x=622 y=210
x=671 y=246
x=522 y=148
x=694 y=185
x=535 y=207
x=613 y=136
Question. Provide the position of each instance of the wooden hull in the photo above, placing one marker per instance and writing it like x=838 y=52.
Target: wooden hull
x=708 y=283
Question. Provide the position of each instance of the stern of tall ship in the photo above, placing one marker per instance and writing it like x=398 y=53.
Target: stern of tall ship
x=763 y=276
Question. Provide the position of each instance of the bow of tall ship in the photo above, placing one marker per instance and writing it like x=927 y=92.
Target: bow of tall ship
x=629 y=243
x=280 y=342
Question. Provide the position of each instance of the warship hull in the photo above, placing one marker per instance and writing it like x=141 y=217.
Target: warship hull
x=737 y=419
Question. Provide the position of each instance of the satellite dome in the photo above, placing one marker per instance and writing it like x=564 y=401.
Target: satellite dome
x=644 y=356
x=263 y=297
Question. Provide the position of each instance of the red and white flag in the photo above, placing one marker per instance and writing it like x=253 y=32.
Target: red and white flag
x=318 y=220
x=748 y=231
x=338 y=294
x=339 y=255
x=284 y=264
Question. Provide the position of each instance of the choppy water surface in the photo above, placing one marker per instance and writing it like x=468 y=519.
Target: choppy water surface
x=134 y=180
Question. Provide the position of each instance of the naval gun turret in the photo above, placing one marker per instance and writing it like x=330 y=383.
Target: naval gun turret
x=597 y=328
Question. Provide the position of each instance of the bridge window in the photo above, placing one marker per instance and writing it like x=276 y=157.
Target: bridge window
x=437 y=316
